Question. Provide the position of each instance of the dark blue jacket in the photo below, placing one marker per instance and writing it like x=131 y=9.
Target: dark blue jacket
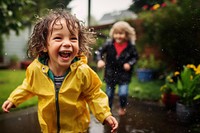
x=114 y=71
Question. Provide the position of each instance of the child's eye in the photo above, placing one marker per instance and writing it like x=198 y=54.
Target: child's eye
x=74 y=38
x=57 y=38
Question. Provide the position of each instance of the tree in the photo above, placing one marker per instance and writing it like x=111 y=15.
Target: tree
x=11 y=15
x=17 y=14
x=139 y=5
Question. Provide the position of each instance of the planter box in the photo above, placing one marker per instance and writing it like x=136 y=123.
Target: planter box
x=145 y=75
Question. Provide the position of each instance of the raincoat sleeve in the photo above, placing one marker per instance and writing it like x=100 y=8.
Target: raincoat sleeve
x=102 y=50
x=95 y=97
x=134 y=56
x=22 y=92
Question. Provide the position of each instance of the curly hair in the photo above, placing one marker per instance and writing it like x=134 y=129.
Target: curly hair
x=124 y=26
x=43 y=27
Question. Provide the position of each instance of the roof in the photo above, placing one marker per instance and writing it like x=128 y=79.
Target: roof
x=117 y=15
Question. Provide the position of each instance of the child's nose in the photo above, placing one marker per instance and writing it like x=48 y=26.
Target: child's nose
x=67 y=43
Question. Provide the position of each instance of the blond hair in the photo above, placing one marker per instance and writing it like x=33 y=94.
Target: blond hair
x=124 y=26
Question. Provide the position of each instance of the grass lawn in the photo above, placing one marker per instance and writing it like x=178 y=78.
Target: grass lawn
x=10 y=79
x=142 y=90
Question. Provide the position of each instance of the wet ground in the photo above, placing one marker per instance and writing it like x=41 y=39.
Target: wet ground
x=141 y=117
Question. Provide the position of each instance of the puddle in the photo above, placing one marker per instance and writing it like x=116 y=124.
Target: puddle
x=148 y=117
x=22 y=121
x=141 y=117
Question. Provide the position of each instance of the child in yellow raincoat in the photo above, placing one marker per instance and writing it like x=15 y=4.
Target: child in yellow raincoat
x=60 y=77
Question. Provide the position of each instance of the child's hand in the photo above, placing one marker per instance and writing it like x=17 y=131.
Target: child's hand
x=111 y=121
x=7 y=105
x=127 y=67
x=100 y=64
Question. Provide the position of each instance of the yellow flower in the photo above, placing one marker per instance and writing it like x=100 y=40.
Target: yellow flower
x=162 y=88
x=156 y=6
x=168 y=78
x=176 y=73
x=171 y=80
x=186 y=83
x=191 y=66
x=197 y=70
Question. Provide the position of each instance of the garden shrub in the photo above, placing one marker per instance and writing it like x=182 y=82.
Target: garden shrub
x=176 y=30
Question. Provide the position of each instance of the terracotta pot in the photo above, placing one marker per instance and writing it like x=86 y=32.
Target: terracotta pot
x=169 y=100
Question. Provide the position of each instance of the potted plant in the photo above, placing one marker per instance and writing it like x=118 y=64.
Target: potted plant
x=168 y=98
x=186 y=85
x=146 y=67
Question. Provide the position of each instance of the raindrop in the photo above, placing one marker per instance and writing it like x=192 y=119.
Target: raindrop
x=130 y=119
x=196 y=50
x=96 y=52
x=19 y=119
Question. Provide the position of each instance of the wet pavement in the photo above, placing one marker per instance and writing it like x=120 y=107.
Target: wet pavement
x=141 y=117
x=22 y=121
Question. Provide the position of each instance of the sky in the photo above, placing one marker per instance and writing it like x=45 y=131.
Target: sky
x=98 y=7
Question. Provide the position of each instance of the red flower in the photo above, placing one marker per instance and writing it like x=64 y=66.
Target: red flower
x=163 y=4
x=145 y=7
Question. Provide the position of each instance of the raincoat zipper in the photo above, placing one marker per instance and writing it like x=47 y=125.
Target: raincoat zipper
x=57 y=103
x=57 y=109
x=50 y=74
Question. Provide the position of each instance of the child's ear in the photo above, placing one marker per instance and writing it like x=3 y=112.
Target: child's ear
x=44 y=50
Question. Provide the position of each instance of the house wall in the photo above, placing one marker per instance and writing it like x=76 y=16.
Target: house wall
x=15 y=45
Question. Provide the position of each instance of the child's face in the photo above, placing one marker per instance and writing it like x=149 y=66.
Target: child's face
x=119 y=36
x=62 y=46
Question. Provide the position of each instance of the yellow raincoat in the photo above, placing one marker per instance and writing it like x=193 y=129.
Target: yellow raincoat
x=65 y=110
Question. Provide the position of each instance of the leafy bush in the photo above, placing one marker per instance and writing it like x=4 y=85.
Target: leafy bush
x=176 y=29
x=148 y=63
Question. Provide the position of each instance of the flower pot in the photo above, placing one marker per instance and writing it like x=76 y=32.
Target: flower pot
x=185 y=113
x=145 y=74
x=169 y=100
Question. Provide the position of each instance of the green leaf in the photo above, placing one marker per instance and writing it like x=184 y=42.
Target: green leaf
x=196 y=97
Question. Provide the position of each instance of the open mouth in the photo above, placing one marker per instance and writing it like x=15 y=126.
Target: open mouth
x=64 y=54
